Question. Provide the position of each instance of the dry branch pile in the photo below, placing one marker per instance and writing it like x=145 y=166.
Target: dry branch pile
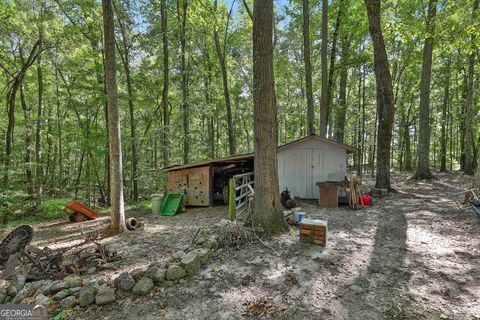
x=233 y=236
x=46 y=263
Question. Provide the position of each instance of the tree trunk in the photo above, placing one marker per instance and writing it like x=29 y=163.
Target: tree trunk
x=385 y=100
x=308 y=67
x=443 y=142
x=59 y=137
x=114 y=134
x=331 y=70
x=470 y=87
x=423 y=161
x=38 y=131
x=182 y=17
x=324 y=95
x=342 y=95
x=166 y=83
x=28 y=142
x=267 y=217
x=228 y=105
x=125 y=56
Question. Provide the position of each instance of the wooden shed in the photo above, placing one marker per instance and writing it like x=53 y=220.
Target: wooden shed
x=301 y=164
x=304 y=162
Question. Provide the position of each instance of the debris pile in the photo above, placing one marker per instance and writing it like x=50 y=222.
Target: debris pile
x=231 y=235
x=260 y=308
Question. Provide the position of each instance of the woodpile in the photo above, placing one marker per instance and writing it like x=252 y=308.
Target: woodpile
x=355 y=200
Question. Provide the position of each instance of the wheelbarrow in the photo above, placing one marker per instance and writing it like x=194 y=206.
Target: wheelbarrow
x=80 y=212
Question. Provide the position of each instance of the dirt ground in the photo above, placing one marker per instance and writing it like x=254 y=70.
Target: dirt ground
x=414 y=255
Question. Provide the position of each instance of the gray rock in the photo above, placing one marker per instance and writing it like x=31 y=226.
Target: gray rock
x=191 y=263
x=3 y=294
x=60 y=285
x=179 y=254
x=125 y=281
x=62 y=294
x=105 y=295
x=194 y=259
x=42 y=299
x=175 y=272
x=46 y=288
x=73 y=281
x=200 y=241
x=19 y=281
x=143 y=286
x=75 y=290
x=27 y=291
x=156 y=274
x=86 y=296
x=12 y=291
x=68 y=302
x=137 y=273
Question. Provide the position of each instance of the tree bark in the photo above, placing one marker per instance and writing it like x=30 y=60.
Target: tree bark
x=423 y=161
x=342 y=95
x=331 y=69
x=38 y=131
x=114 y=133
x=28 y=142
x=308 y=67
x=385 y=100
x=267 y=217
x=228 y=105
x=182 y=17
x=166 y=83
x=468 y=170
x=324 y=94
x=125 y=56
x=443 y=141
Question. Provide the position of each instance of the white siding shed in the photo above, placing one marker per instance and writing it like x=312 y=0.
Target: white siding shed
x=304 y=162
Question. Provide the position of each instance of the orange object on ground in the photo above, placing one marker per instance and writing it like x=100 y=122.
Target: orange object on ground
x=80 y=209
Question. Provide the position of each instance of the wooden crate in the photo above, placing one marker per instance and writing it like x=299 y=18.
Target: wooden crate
x=328 y=197
x=314 y=231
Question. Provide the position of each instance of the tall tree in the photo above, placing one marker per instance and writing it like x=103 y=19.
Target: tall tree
x=468 y=169
x=324 y=94
x=385 y=100
x=166 y=83
x=331 y=69
x=443 y=137
x=308 y=67
x=182 y=10
x=125 y=24
x=267 y=217
x=38 y=131
x=114 y=134
x=221 y=53
x=423 y=161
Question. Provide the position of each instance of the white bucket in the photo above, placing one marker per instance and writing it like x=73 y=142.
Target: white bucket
x=299 y=216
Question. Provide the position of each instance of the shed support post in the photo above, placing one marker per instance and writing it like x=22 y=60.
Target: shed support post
x=231 y=200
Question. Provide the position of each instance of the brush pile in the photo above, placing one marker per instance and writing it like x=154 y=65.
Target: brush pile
x=231 y=235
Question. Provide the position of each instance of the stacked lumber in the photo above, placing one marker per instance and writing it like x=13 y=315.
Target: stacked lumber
x=314 y=231
x=355 y=199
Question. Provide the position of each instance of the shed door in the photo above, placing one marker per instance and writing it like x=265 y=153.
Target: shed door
x=317 y=172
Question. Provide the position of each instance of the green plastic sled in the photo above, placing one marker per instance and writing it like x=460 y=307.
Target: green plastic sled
x=172 y=203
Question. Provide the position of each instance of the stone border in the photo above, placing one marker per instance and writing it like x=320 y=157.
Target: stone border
x=73 y=290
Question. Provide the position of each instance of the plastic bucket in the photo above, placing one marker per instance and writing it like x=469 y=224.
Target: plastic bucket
x=156 y=204
x=299 y=216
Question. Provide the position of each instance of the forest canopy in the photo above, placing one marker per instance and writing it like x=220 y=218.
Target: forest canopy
x=184 y=72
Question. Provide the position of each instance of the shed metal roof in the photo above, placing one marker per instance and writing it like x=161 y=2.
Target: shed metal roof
x=250 y=156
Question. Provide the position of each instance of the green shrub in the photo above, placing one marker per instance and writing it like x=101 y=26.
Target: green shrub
x=53 y=208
